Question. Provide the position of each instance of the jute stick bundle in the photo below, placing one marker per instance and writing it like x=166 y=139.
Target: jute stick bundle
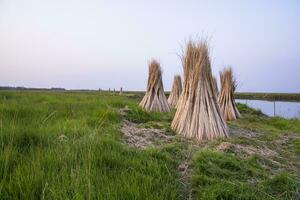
x=155 y=99
x=176 y=91
x=198 y=115
x=226 y=96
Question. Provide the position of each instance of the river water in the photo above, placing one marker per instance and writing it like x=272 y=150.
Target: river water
x=283 y=109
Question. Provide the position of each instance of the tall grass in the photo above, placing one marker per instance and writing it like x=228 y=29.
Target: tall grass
x=67 y=146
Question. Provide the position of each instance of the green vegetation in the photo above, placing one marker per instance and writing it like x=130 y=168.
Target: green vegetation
x=67 y=145
x=256 y=121
x=224 y=176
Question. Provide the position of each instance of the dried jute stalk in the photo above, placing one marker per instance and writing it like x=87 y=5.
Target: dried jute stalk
x=155 y=99
x=176 y=91
x=226 y=96
x=198 y=115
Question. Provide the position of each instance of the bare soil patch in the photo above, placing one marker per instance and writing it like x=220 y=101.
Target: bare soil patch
x=144 y=137
x=246 y=149
x=234 y=131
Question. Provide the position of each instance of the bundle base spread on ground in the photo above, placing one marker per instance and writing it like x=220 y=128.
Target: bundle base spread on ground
x=155 y=99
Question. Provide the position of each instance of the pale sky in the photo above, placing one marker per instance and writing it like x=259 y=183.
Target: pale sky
x=106 y=44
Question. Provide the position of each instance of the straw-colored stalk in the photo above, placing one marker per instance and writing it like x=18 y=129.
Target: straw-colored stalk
x=198 y=115
x=226 y=97
x=155 y=99
x=176 y=91
x=216 y=86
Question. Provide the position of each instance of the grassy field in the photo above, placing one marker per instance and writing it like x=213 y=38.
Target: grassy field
x=68 y=145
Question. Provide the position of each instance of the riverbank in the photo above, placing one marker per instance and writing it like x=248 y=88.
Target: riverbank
x=268 y=96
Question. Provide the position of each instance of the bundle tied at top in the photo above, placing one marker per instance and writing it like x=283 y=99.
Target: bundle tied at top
x=226 y=96
x=155 y=99
x=198 y=115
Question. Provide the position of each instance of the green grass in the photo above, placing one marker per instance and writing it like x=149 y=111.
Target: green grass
x=224 y=176
x=67 y=145
x=296 y=145
x=256 y=121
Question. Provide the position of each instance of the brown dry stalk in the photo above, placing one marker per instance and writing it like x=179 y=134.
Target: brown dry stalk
x=176 y=91
x=226 y=97
x=198 y=115
x=216 y=86
x=155 y=99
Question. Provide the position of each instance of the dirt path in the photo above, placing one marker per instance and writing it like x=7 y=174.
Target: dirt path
x=185 y=170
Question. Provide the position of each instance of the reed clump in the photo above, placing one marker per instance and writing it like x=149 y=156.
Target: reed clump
x=226 y=97
x=176 y=91
x=198 y=115
x=155 y=99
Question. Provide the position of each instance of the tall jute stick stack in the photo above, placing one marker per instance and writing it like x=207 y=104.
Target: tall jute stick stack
x=198 y=115
x=155 y=99
x=176 y=91
x=226 y=97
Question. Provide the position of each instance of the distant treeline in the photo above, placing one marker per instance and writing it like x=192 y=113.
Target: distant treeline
x=27 y=88
x=238 y=95
x=48 y=89
x=268 y=96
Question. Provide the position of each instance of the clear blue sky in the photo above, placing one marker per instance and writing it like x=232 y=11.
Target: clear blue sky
x=101 y=44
